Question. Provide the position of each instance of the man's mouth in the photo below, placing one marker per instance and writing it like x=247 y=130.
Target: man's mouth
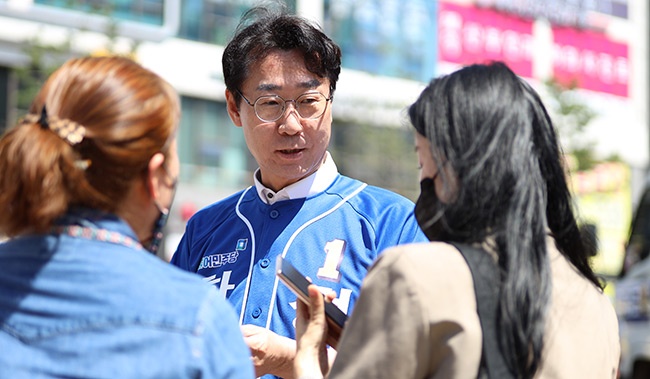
x=291 y=151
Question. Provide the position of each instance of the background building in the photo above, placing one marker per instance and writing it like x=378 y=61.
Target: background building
x=391 y=48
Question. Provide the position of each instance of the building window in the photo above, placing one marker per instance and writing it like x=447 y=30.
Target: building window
x=381 y=156
x=211 y=149
x=214 y=21
x=385 y=37
x=5 y=91
x=144 y=11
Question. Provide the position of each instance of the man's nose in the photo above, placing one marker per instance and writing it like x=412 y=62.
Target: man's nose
x=290 y=121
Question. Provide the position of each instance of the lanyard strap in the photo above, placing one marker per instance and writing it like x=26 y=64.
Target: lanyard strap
x=97 y=234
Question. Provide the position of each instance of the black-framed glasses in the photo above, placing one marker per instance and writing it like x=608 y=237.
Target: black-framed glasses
x=269 y=108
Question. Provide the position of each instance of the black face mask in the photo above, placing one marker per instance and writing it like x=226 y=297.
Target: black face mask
x=159 y=225
x=157 y=232
x=427 y=210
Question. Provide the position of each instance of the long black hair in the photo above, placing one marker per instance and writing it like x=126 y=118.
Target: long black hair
x=490 y=130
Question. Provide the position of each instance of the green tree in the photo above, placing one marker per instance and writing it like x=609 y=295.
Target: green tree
x=43 y=59
x=571 y=116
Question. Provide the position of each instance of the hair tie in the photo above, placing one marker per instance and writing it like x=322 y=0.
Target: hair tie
x=70 y=131
x=42 y=121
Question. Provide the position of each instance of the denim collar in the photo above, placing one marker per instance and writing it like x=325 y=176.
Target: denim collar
x=96 y=219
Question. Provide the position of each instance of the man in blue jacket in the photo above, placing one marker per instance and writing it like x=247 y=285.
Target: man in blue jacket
x=281 y=73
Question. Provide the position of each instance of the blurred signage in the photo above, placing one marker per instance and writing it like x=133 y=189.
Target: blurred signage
x=590 y=60
x=603 y=196
x=475 y=35
x=558 y=12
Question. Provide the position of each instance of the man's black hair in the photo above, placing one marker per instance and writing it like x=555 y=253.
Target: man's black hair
x=264 y=29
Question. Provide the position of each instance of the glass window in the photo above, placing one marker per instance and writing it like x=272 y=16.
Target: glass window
x=4 y=98
x=144 y=11
x=385 y=37
x=381 y=156
x=214 y=21
x=211 y=149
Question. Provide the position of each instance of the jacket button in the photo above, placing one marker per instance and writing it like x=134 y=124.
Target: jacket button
x=274 y=214
x=257 y=312
x=265 y=263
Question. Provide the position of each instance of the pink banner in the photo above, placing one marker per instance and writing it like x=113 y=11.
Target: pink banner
x=474 y=35
x=591 y=60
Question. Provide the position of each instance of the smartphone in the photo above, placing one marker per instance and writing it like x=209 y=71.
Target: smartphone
x=298 y=283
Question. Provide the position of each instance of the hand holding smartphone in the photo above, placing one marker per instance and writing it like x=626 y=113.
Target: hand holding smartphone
x=298 y=283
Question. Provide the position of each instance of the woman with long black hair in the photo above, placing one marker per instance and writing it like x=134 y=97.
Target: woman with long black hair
x=504 y=288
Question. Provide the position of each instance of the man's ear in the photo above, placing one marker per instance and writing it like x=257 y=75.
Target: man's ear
x=155 y=175
x=233 y=108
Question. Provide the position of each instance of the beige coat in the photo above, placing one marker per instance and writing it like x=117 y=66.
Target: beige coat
x=416 y=318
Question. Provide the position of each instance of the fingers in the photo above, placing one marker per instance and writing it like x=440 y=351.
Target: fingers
x=311 y=326
x=317 y=303
x=249 y=329
x=308 y=314
x=311 y=329
x=330 y=295
x=302 y=318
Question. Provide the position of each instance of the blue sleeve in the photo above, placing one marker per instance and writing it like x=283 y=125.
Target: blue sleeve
x=188 y=255
x=392 y=215
x=226 y=354
x=200 y=226
x=181 y=257
x=396 y=223
x=411 y=232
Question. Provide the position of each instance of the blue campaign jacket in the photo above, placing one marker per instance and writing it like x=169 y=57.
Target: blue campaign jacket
x=80 y=308
x=333 y=237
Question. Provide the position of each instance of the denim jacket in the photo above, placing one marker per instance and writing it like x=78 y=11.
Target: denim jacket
x=76 y=307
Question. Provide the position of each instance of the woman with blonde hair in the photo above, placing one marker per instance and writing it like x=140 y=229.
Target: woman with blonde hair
x=87 y=179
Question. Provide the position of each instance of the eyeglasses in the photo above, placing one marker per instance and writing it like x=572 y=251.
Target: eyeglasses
x=270 y=108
